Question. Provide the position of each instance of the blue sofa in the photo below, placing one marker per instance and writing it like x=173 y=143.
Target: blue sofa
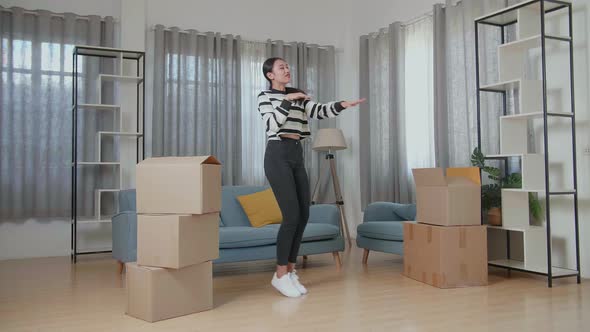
x=238 y=241
x=383 y=227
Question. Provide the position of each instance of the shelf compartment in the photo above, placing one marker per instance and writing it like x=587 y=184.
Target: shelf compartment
x=535 y=115
x=97 y=163
x=97 y=201
x=109 y=77
x=108 y=52
x=557 y=272
x=534 y=243
x=94 y=220
x=513 y=56
x=513 y=136
x=530 y=96
x=515 y=208
x=100 y=134
x=532 y=170
x=118 y=133
x=100 y=107
x=510 y=15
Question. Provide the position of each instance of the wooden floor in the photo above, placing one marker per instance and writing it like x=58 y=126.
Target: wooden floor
x=50 y=294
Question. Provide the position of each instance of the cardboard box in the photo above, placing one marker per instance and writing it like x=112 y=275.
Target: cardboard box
x=176 y=241
x=179 y=185
x=155 y=293
x=446 y=257
x=454 y=200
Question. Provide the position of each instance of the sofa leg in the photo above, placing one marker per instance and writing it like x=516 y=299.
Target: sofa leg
x=365 y=256
x=304 y=263
x=120 y=266
x=337 y=260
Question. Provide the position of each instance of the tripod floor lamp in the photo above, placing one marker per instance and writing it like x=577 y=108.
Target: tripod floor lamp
x=330 y=140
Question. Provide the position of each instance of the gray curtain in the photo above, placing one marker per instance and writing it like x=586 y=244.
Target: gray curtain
x=317 y=77
x=205 y=98
x=196 y=100
x=35 y=111
x=454 y=76
x=383 y=161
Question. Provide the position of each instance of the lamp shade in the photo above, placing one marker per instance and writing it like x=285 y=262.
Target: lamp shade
x=329 y=139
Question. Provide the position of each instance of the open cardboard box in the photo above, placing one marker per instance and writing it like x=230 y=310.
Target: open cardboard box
x=451 y=200
x=179 y=185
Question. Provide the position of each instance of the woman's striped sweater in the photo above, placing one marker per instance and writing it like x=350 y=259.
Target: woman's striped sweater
x=290 y=117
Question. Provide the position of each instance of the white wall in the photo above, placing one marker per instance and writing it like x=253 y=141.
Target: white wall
x=312 y=21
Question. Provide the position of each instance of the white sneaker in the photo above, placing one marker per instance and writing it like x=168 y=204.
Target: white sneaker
x=295 y=279
x=285 y=285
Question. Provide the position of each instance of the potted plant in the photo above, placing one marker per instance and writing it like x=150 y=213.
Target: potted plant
x=492 y=193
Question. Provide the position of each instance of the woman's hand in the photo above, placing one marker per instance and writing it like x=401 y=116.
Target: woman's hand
x=347 y=104
x=296 y=96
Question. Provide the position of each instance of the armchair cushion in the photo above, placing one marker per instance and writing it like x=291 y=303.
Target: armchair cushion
x=387 y=211
x=392 y=231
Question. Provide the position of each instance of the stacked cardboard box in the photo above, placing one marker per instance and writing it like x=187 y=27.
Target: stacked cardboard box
x=178 y=204
x=447 y=246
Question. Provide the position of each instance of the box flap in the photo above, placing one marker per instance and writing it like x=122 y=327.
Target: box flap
x=429 y=177
x=180 y=160
x=211 y=160
x=457 y=175
x=456 y=181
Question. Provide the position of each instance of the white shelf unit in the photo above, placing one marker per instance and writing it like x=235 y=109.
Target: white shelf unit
x=521 y=266
x=513 y=58
x=129 y=69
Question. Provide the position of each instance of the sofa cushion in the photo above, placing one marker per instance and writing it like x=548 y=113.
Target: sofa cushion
x=246 y=236
x=383 y=230
x=232 y=213
x=261 y=208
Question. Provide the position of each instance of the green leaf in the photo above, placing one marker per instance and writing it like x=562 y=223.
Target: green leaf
x=514 y=180
x=535 y=207
x=477 y=158
x=493 y=173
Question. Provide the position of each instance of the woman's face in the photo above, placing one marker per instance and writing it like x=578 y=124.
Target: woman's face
x=280 y=72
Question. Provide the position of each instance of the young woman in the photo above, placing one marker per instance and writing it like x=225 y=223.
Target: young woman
x=285 y=112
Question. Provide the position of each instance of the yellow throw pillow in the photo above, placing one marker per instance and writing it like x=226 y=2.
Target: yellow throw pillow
x=261 y=208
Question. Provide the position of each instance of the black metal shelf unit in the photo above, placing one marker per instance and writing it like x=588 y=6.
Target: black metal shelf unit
x=501 y=20
x=106 y=53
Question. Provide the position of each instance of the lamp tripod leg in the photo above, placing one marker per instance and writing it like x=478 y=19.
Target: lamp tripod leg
x=339 y=200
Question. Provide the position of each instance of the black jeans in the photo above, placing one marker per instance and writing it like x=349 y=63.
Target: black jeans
x=285 y=171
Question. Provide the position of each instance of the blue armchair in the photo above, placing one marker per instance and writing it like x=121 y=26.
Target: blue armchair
x=383 y=229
